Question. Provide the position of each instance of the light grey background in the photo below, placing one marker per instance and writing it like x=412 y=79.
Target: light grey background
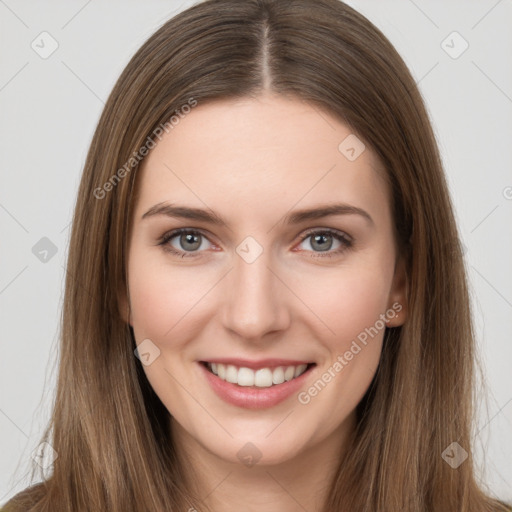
x=49 y=109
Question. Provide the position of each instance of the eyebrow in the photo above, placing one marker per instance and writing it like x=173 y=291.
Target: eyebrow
x=296 y=217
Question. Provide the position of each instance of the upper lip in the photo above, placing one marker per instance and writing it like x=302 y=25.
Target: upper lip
x=255 y=365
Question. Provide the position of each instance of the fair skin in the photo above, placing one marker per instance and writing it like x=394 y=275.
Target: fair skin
x=253 y=162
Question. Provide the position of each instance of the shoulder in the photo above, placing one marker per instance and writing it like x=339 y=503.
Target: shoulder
x=25 y=500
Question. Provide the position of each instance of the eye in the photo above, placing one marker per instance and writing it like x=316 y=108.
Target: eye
x=188 y=241
x=322 y=241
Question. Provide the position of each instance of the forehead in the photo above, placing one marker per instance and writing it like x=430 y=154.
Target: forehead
x=259 y=155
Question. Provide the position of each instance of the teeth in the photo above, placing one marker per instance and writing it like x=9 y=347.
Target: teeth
x=231 y=374
x=262 y=378
x=245 y=377
x=289 y=373
x=299 y=370
x=278 y=375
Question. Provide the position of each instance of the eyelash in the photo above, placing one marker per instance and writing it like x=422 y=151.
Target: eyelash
x=345 y=240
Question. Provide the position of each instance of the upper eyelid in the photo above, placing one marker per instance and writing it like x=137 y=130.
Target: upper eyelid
x=333 y=231
x=178 y=231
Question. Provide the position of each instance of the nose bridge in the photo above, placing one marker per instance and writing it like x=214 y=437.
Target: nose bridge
x=254 y=300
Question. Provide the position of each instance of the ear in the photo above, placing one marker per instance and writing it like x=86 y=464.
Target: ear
x=124 y=306
x=398 y=296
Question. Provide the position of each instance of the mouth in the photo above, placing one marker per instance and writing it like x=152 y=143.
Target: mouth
x=257 y=377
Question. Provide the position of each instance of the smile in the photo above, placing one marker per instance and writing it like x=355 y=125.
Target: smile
x=260 y=378
x=256 y=385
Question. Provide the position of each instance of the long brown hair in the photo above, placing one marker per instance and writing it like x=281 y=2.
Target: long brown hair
x=108 y=427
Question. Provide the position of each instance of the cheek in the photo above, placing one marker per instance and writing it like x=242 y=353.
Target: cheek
x=351 y=307
x=161 y=297
x=348 y=301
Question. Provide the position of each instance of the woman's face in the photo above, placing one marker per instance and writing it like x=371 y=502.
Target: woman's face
x=261 y=281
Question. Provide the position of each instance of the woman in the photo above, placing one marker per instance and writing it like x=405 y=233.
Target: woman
x=313 y=348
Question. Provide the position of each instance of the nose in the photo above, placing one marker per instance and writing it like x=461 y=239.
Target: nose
x=255 y=302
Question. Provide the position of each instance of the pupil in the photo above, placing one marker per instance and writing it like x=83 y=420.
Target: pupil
x=189 y=238
x=316 y=238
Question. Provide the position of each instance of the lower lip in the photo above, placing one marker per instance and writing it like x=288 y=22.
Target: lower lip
x=253 y=397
